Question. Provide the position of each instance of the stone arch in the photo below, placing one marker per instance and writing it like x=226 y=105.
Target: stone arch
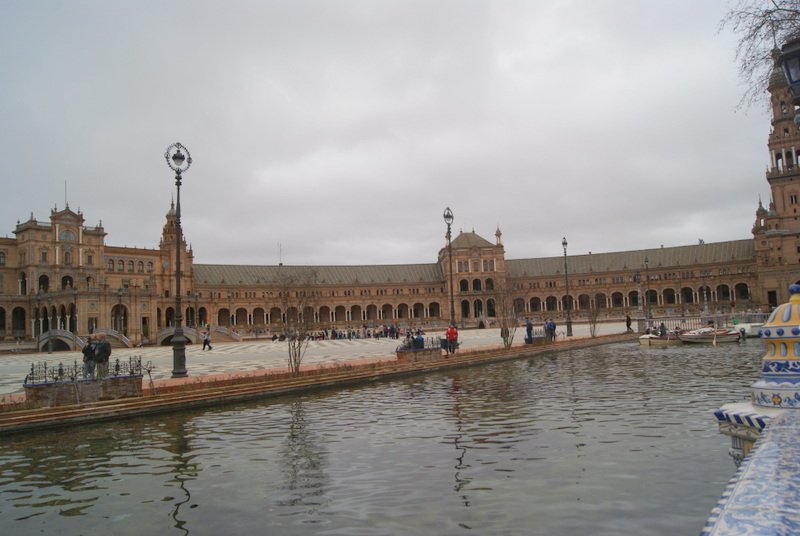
x=402 y=310
x=465 y=309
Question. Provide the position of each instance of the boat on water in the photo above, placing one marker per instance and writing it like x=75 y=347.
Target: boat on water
x=709 y=336
x=654 y=339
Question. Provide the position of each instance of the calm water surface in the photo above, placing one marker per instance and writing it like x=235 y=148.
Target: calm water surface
x=606 y=441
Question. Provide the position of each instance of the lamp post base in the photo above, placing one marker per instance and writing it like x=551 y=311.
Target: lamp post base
x=179 y=354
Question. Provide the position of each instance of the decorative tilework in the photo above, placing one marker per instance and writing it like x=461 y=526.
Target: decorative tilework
x=763 y=497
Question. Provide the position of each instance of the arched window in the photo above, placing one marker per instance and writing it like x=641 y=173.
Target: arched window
x=2 y=258
x=130 y=266
x=67 y=258
x=120 y=265
x=110 y=265
x=140 y=267
x=149 y=267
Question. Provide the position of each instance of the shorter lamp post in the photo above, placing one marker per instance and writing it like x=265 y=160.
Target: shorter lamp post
x=49 y=324
x=74 y=318
x=637 y=278
x=38 y=323
x=567 y=298
x=196 y=319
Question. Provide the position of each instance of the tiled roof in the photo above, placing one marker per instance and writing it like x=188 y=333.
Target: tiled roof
x=470 y=240
x=622 y=261
x=221 y=274
x=633 y=261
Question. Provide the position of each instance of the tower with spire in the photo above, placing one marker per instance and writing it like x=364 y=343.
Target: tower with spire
x=776 y=231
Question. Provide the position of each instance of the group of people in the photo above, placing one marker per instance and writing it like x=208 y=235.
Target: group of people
x=96 y=353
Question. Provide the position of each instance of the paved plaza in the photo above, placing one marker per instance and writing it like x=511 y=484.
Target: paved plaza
x=257 y=354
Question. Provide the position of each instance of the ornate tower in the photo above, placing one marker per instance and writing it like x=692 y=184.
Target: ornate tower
x=776 y=231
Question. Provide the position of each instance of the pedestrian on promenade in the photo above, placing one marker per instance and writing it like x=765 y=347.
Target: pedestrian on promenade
x=628 y=323
x=528 y=330
x=206 y=341
x=101 y=354
x=452 y=339
x=88 y=357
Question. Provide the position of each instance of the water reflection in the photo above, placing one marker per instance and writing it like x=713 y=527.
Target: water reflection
x=303 y=464
x=461 y=450
x=184 y=469
x=616 y=440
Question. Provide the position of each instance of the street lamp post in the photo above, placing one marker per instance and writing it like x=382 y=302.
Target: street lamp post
x=647 y=289
x=448 y=219
x=49 y=324
x=637 y=278
x=38 y=323
x=567 y=299
x=75 y=318
x=196 y=316
x=179 y=163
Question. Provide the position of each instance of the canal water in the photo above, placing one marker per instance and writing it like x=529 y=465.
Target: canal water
x=615 y=440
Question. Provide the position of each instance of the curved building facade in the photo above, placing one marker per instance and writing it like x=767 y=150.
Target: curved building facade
x=61 y=274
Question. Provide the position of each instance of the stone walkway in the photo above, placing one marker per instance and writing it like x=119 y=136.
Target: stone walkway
x=254 y=355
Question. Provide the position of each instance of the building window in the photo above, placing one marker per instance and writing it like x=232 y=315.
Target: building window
x=67 y=258
x=140 y=267
x=130 y=266
x=90 y=259
x=111 y=265
x=120 y=265
x=793 y=199
x=149 y=267
x=43 y=256
x=2 y=258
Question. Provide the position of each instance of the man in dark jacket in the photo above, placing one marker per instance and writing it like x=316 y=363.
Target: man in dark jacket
x=88 y=357
x=101 y=355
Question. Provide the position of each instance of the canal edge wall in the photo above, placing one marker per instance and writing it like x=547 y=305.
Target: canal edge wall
x=208 y=391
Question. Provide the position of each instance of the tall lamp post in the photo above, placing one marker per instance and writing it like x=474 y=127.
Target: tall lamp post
x=448 y=219
x=179 y=163
x=567 y=299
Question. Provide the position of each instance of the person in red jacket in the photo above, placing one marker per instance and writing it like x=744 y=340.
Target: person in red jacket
x=452 y=339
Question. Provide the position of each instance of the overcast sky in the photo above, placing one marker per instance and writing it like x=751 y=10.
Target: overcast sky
x=336 y=132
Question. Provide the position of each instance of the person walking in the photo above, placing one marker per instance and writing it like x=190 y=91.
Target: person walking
x=628 y=323
x=452 y=339
x=528 y=331
x=206 y=341
x=101 y=354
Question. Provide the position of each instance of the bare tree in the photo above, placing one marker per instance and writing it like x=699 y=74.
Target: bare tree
x=298 y=293
x=762 y=27
x=592 y=315
x=507 y=318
